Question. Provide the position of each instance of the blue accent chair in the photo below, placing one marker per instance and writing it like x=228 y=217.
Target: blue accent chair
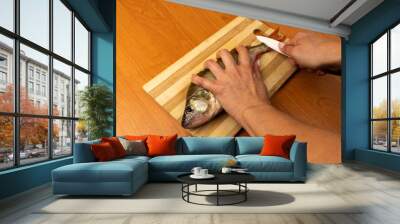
x=125 y=176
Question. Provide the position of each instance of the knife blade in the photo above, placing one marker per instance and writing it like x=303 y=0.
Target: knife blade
x=273 y=44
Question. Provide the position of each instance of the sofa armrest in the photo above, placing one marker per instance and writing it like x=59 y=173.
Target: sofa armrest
x=83 y=152
x=298 y=155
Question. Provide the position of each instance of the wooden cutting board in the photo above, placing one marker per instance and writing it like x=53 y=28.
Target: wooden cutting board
x=170 y=86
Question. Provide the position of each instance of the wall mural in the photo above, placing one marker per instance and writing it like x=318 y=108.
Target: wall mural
x=182 y=96
x=196 y=108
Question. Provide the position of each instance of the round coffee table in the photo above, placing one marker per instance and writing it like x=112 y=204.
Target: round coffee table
x=238 y=179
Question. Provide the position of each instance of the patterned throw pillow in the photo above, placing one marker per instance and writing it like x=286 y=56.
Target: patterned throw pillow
x=134 y=147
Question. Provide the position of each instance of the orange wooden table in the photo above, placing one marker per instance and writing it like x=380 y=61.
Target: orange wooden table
x=151 y=35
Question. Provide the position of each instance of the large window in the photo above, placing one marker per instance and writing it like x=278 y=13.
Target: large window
x=385 y=91
x=44 y=65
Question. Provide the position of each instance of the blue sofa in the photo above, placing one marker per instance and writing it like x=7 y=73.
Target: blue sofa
x=125 y=176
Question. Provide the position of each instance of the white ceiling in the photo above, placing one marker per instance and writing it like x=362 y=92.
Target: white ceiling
x=327 y=16
x=319 y=9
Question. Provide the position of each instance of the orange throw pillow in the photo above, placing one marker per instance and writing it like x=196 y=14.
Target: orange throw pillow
x=277 y=145
x=103 y=152
x=116 y=145
x=136 y=137
x=161 y=145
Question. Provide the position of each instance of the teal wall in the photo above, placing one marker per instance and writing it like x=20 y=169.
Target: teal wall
x=356 y=99
x=103 y=49
x=103 y=63
x=24 y=178
x=102 y=59
x=99 y=15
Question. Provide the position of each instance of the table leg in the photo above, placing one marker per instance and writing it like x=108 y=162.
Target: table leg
x=217 y=194
x=182 y=188
x=188 y=190
x=245 y=193
x=195 y=188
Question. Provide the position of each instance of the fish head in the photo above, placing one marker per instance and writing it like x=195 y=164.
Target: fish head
x=200 y=108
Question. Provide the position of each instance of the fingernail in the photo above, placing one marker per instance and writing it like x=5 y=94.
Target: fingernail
x=281 y=45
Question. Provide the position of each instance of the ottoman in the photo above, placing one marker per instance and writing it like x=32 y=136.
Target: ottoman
x=119 y=177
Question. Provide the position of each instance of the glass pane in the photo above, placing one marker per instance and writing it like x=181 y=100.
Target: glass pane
x=379 y=97
x=379 y=135
x=81 y=82
x=395 y=47
x=34 y=97
x=7 y=14
x=395 y=94
x=62 y=138
x=81 y=45
x=62 y=29
x=6 y=142
x=35 y=21
x=33 y=140
x=81 y=131
x=395 y=136
x=6 y=74
x=379 y=55
x=62 y=89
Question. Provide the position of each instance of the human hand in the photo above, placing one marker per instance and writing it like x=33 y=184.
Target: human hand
x=311 y=50
x=237 y=86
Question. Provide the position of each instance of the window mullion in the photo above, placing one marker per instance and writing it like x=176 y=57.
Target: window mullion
x=389 y=100
x=73 y=82
x=16 y=70
x=50 y=81
x=371 y=140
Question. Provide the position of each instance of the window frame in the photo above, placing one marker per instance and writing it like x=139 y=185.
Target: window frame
x=16 y=115
x=388 y=74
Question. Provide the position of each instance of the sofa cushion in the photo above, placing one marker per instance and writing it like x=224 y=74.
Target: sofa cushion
x=112 y=171
x=257 y=163
x=83 y=152
x=275 y=145
x=116 y=145
x=185 y=163
x=136 y=137
x=103 y=152
x=133 y=158
x=161 y=145
x=209 y=145
x=249 y=145
x=134 y=147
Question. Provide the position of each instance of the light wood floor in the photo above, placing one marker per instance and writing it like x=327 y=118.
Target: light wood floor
x=379 y=189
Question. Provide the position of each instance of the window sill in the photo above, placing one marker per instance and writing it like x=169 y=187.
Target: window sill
x=382 y=159
x=26 y=167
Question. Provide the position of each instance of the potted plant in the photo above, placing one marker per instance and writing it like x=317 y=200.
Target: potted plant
x=96 y=102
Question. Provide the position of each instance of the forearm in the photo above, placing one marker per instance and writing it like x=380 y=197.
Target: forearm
x=265 y=119
x=332 y=58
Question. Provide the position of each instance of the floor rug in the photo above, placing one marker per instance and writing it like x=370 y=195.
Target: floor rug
x=167 y=198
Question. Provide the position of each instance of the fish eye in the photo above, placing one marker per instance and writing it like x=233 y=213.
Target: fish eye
x=199 y=105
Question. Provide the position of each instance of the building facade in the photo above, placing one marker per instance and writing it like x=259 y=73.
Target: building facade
x=34 y=81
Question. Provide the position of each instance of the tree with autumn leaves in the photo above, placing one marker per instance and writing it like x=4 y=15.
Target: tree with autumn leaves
x=380 y=127
x=34 y=131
